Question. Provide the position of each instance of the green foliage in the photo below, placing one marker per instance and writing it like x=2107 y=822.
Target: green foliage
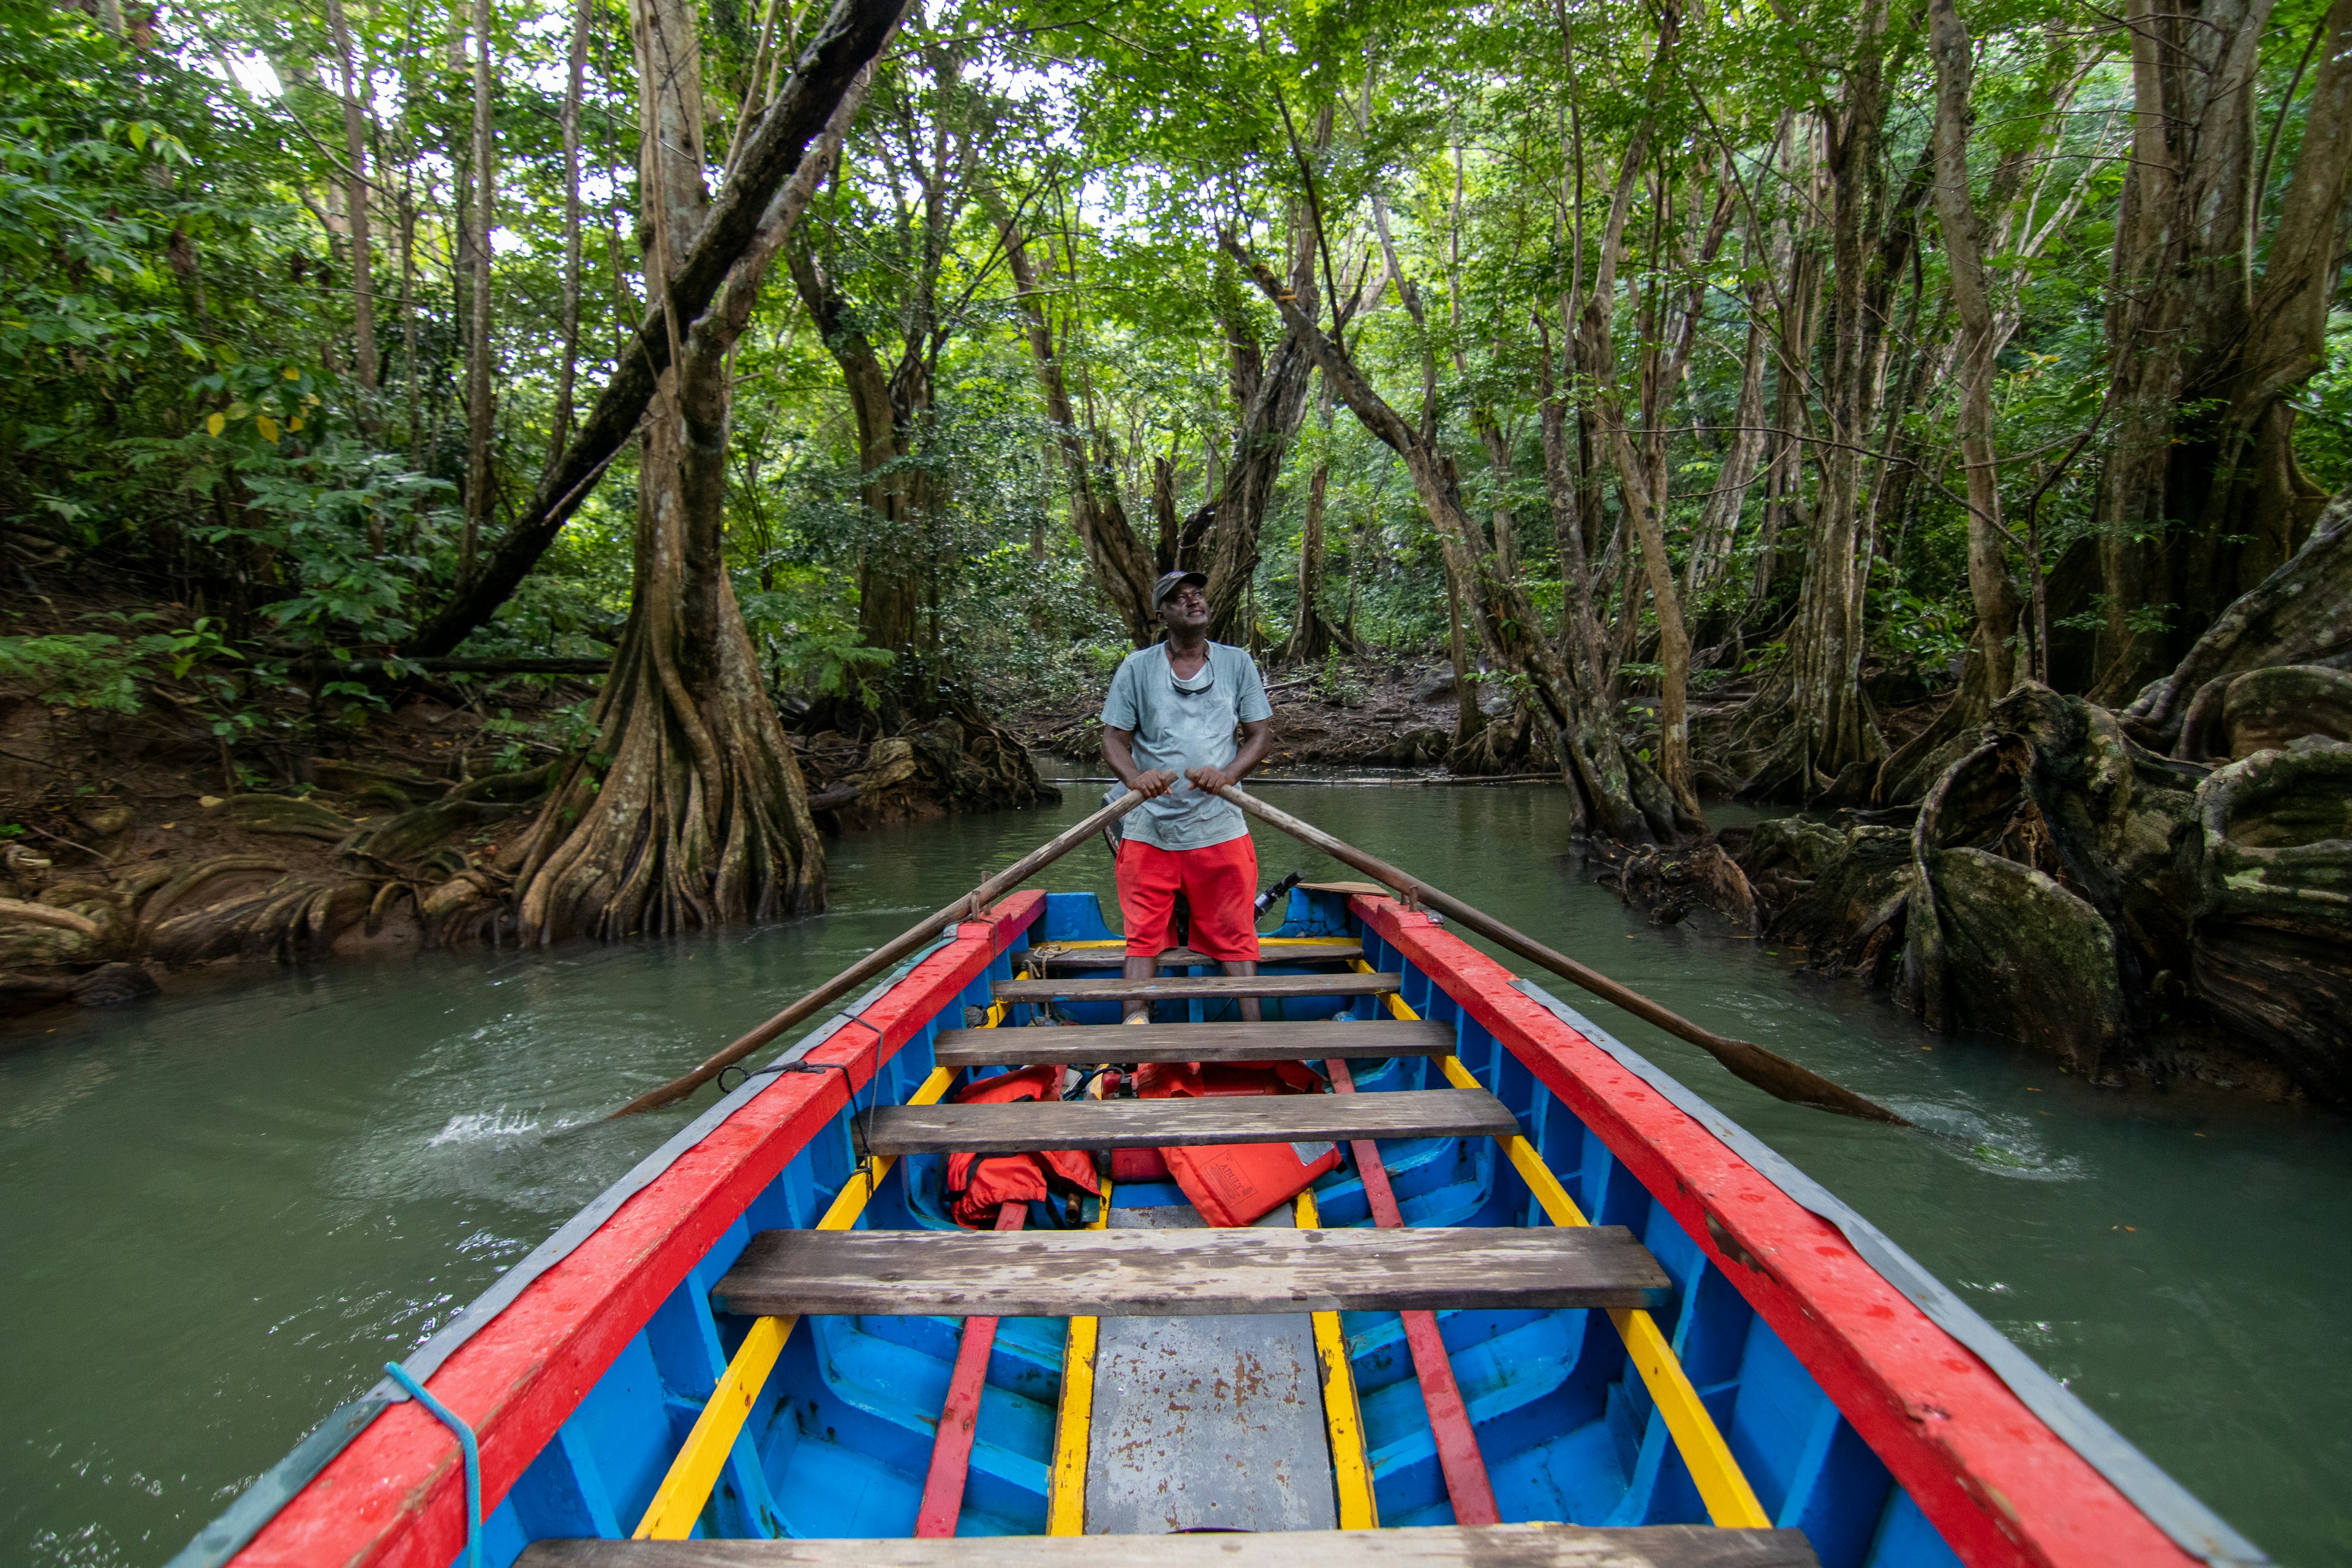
x=182 y=406
x=1920 y=635
x=81 y=669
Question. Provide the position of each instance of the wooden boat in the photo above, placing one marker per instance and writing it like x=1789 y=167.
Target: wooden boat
x=1551 y=1308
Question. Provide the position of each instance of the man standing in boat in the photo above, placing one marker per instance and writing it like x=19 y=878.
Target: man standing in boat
x=1169 y=727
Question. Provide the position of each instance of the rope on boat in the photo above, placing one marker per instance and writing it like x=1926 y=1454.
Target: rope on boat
x=472 y=1450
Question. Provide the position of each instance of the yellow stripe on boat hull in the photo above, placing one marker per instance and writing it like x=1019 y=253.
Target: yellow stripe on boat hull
x=678 y=1501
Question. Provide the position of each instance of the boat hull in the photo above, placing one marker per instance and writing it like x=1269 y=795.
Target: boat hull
x=1855 y=1417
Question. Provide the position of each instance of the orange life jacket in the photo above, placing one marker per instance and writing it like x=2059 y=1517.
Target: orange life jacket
x=1235 y=1184
x=976 y=1185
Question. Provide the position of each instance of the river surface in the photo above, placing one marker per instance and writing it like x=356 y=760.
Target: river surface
x=225 y=1209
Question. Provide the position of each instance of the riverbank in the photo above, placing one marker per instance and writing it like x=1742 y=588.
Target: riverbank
x=153 y=823
x=144 y=835
x=2112 y=928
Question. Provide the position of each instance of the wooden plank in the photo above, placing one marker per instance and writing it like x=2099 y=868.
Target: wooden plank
x=1028 y=1125
x=1188 y=1273
x=1087 y=1045
x=1441 y=1546
x=1270 y=950
x=1185 y=988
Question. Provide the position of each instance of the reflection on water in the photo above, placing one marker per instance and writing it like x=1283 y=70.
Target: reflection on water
x=225 y=1209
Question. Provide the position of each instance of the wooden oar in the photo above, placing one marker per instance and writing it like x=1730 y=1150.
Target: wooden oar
x=1775 y=1075
x=883 y=957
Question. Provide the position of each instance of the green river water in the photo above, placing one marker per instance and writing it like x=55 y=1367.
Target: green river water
x=225 y=1209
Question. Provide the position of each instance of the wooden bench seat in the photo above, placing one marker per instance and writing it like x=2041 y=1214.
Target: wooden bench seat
x=1187 y=1273
x=1085 y=1044
x=1270 y=950
x=1024 y=1126
x=1428 y=1546
x=1185 y=988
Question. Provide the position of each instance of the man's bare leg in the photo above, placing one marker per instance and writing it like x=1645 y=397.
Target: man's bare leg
x=1139 y=967
x=1250 y=1013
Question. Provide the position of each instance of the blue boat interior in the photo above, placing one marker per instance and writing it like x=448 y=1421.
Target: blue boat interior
x=839 y=1441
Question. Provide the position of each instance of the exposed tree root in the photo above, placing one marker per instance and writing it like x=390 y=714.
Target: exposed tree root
x=2130 y=914
x=1670 y=883
x=292 y=919
x=699 y=818
x=2301 y=614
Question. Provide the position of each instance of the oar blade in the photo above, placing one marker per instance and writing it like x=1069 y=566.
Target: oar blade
x=1784 y=1079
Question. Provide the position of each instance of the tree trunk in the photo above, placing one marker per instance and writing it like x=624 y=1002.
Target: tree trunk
x=568 y=355
x=1668 y=334
x=1673 y=639
x=2199 y=498
x=1593 y=760
x=1468 y=717
x=1272 y=412
x=888 y=410
x=1123 y=569
x=1310 y=636
x=699 y=815
x=1831 y=727
x=932 y=152
x=1989 y=588
x=1498 y=607
x=1164 y=513
x=357 y=201
x=480 y=416
x=852 y=33
x=1799 y=258
x=1812 y=723
x=1719 y=528
x=2273 y=505
x=410 y=370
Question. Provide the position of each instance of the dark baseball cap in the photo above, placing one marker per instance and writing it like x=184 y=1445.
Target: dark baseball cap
x=1171 y=581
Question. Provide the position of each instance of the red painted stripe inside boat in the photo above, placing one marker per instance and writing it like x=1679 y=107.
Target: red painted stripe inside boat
x=1467 y=1487
x=396 y=1496
x=951 y=1441
x=2001 y=1488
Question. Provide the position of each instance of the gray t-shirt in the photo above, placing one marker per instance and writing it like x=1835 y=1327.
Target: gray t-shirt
x=1180 y=726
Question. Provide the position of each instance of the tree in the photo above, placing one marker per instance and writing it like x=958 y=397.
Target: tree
x=2201 y=496
x=688 y=809
x=930 y=131
x=836 y=53
x=1506 y=622
x=1123 y=570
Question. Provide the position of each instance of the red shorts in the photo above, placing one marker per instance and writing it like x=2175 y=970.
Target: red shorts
x=1219 y=881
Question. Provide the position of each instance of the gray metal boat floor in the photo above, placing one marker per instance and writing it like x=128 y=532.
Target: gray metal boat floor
x=1207 y=1423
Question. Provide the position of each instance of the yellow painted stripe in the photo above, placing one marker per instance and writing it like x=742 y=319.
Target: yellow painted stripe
x=1730 y=1501
x=677 y=1502
x=1396 y=1009
x=1066 y=1491
x=1351 y=1471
